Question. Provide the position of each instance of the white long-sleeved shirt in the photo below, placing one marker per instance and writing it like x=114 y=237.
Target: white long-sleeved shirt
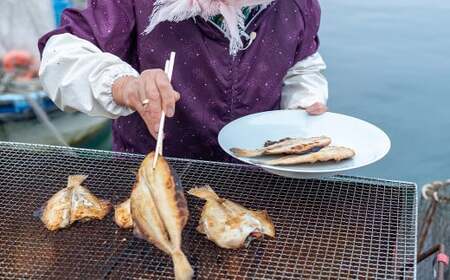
x=77 y=75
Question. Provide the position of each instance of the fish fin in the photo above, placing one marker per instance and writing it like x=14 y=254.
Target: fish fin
x=182 y=267
x=206 y=193
x=76 y=180
x=247 y=153
x=267 y=225
x=137 y=232
x=201 y=229
x=39 y=212
x=182 y=207
x=176 y=178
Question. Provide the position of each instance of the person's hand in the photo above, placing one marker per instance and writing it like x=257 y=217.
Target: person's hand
x=317 y=109
x=148 y=95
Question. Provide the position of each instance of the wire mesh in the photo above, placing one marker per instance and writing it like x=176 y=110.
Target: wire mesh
x=342 y=227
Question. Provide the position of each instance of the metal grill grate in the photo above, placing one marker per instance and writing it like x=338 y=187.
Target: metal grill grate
x=343 y=227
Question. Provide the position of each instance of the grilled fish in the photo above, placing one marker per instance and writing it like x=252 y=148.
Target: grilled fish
x=122 y=215
x=288 y=146
x=228 y=224
x=159 y=211
x=326 y=154
x=71 y=204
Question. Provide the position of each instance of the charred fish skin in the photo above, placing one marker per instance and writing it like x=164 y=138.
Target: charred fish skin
x=228 y=224
x=270 y=143
x=331 y=153
x=159 y=211
x=71 y=204
x=285 y=146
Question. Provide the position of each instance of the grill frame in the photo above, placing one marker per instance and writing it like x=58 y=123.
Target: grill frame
x=109 y=253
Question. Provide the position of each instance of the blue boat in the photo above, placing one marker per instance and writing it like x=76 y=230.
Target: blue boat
x=28 y=115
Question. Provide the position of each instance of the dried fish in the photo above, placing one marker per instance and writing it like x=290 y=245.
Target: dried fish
x=287 y=146
x=122 y=215
x=228 y=224
x=326 y=154
x=71 y=204
x=159 y=211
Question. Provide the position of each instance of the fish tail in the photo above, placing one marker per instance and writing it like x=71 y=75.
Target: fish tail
x=76 y=180
x=246 y=153
x=183 y=270
x=206 y=193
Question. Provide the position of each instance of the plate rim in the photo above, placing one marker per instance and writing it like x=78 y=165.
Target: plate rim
x=312 y=171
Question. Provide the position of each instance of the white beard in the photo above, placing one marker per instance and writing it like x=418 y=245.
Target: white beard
x=231 y=10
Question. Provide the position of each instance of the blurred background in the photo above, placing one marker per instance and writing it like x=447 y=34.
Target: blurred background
x=388 y=63
x=26 y=114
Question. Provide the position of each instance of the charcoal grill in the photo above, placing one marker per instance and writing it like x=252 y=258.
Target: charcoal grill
x=342 y=227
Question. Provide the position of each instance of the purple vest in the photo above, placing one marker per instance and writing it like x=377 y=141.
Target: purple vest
x=215 y=87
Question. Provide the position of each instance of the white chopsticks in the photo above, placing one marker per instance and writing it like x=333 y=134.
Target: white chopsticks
x=168 y=69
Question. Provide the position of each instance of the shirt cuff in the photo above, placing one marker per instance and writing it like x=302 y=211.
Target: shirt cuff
x=304 y=84
x=102 y=88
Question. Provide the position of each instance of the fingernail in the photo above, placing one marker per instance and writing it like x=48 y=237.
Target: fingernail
x=170 y=112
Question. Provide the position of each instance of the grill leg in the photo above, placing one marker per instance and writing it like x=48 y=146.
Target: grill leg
x=442 y=260
x=428 y=219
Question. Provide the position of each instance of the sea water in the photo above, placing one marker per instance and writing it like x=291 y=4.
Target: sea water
x=389 y=63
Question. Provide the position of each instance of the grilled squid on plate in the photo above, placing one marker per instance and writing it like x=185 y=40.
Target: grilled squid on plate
x=71 y=204
x=228 y=224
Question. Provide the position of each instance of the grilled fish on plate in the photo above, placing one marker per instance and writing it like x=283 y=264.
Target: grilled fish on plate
x=288 y=146
x=159 y=211
x=228 y=224
x=330 y=153
x=71 y=204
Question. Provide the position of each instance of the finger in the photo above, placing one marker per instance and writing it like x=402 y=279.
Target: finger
x=153 y=109
x=316 y=109
x=148 y=121
x=314 y=113
x=177 y=96
x=312 y=108
x=167 y=93
x=145 y=110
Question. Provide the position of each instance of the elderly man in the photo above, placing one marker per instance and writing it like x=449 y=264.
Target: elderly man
x=234 y=58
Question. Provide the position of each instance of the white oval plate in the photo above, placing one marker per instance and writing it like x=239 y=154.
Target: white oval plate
x=251 y=132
